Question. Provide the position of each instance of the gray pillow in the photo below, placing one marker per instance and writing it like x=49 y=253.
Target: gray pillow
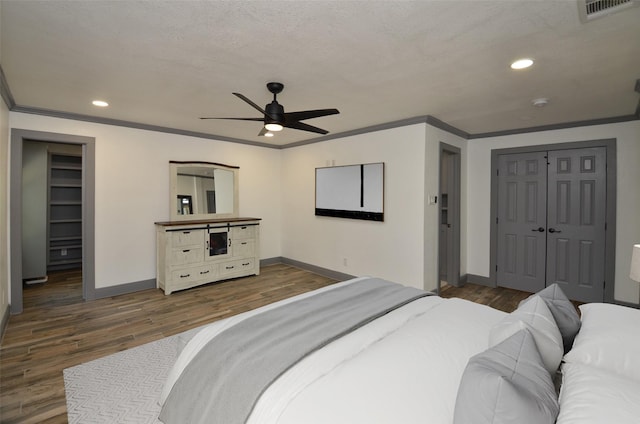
x=563 y=311
x=507 y=383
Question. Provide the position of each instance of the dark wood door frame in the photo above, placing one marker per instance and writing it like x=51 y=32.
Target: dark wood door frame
x=610 y=238
x=18 y=136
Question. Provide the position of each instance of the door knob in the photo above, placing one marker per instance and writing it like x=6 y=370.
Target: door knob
x=539 y=229
x=553 y=230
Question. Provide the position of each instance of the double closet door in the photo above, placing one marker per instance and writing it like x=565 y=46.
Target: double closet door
x=551 y=221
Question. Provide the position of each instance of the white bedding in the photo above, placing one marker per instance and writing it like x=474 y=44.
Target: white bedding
x=591 y=395
x=601 y=373
x=404 y=367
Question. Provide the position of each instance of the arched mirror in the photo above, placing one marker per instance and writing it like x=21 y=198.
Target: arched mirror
x=203 y=190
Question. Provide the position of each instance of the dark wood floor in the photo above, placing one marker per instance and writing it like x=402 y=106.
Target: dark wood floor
x=58 y=329
x=498 y=298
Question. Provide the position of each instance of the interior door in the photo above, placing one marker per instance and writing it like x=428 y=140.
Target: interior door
x=576 y=222
x=551 y=221
x=449 y=211
x=522 y=214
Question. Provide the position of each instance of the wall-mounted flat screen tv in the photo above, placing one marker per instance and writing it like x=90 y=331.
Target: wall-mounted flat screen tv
x=352 y=191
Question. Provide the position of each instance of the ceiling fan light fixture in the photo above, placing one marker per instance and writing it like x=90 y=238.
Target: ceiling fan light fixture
x=273 y=127
x=522 y=63
x=268 y=134
x=100 y=103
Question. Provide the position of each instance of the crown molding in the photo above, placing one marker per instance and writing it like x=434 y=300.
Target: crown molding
x=130 y=124
x=561 y=126
x=5 y=92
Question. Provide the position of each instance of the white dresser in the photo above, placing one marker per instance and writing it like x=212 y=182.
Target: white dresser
x=192 y=253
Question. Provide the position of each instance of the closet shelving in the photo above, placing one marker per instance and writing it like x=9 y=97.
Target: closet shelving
x=65 y=212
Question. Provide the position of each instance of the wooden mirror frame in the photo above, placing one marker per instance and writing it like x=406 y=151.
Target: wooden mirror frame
x=173 y=190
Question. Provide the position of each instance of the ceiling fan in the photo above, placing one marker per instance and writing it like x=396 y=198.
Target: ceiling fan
x=275 y=118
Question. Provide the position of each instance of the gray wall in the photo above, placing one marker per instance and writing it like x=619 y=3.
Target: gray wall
x=34 y=210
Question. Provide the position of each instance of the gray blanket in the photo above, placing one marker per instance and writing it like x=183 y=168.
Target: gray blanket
x=225 y=379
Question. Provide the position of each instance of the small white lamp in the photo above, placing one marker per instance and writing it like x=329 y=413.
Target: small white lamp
x=635 y=264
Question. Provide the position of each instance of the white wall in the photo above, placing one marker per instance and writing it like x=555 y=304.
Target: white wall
x=628 y=194
x=132 y=181
x=392 y=249
x=132 y=189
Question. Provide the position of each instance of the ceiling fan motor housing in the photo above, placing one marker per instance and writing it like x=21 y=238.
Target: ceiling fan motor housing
x=275 y=113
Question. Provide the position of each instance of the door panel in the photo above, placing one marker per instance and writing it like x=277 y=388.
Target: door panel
x=576 y=222
x=522 y=208
x=563 y=194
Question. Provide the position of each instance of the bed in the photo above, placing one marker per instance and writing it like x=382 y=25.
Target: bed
x=403 y=367
x=417 y=359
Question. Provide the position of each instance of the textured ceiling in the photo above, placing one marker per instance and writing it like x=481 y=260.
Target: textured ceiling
x=166 y=63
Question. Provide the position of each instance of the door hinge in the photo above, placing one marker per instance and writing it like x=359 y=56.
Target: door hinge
x=496 y=268
x=497 y=172
x=605 y=226
x=496 y=219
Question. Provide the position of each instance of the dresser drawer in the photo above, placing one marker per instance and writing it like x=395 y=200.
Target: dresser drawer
x=243 y=232
x=243 y=248
x=240 y=266
x=184 y=277
x=186 y=238
x=181 y=257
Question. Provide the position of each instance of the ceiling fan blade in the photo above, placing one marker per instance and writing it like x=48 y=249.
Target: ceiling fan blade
x=308 y=114
x=305 y=127
x=255 y=106
x=263 y=131
x=240 y=119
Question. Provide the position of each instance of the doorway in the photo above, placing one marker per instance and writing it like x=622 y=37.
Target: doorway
x=20 y=138
x=51 y=223
x=554 y=211
x=449 y=216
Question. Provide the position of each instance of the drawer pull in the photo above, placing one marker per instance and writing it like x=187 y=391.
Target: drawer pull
x=184 y=275
x=248 y=263
x=243 y=228
x=185 y=251
x=204 y=272
x=186 y=232
x=229 y=267
x=244 y=243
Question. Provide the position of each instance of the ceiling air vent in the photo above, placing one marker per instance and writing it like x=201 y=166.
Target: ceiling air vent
x=593 y=9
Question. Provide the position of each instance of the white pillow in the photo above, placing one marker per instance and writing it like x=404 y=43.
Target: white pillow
x=609 y=339
x=535 y=316
x=590 y=395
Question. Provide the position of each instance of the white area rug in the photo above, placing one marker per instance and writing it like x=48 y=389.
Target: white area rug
x=123 y=387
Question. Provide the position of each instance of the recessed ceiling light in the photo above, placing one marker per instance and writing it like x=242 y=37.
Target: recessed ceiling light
x=541 y=102
x=522 y=63
x=100 y=103
x=268 y=134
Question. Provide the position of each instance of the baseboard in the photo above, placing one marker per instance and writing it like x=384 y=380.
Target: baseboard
x=4 y=322
x=271 y=261
x=136 y=286
x=329 y=273
x=476 y=279
x=126 y=288
x=627 y=304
